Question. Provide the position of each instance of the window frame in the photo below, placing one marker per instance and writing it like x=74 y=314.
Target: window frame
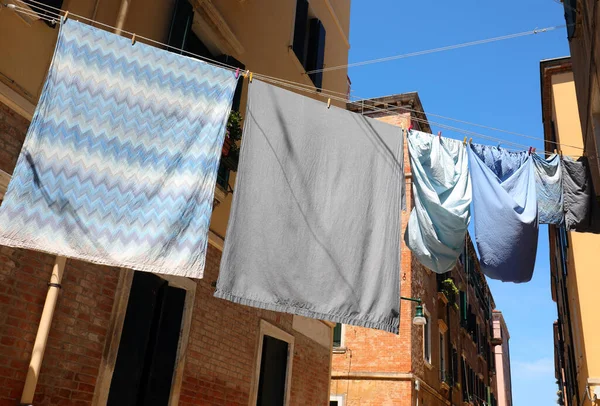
x=117 y=320
x=269 y=329
x=316 y=79
x=427 y=338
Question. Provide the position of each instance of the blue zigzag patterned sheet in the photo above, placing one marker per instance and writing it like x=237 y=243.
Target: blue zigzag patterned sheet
x=119 y=164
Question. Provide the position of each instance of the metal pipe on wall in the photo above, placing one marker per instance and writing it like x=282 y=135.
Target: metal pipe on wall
x=39 y=346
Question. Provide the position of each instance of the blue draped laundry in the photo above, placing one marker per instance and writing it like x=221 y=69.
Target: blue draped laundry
x=442 y=197
x=548 y=179
x=505 y=211
x=119 y=164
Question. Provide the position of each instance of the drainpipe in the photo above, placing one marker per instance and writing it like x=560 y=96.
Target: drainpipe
x=122 y=16
x=41 y=338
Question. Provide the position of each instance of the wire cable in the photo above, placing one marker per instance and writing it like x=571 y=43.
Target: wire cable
x=295 y=85
x=440 y=49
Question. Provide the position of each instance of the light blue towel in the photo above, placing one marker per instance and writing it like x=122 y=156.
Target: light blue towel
x=548 y=179
x=505 y=209
x=442 y=197
x=120 y=161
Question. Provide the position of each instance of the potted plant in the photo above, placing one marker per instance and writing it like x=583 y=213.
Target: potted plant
x=231 y=150
x=450 y=290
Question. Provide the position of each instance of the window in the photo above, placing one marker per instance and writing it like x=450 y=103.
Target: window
x=151 y=326
x=337 y=336
x=182 y=37
x=465 y=380
x=273 y=366
x=309 y=42
x=454 y=366
x=427 y=338
x=443 y=377
x=46 y=10
x=463 y=309
x=336 y=400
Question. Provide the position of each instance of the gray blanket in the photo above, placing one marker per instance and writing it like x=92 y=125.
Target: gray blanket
x=315 y=222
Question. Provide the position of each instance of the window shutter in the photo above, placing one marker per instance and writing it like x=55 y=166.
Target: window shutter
x=135 y=337
x=316 y=51
x=181 y=24
x=337 y=335
x=273 y=368
x=158 y=372
x=299 y=44
x=463 y=307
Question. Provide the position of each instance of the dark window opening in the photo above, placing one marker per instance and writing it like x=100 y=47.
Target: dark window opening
x=337 y=335
x=47 y=10
x=147 y=353
x=570 y=17
x=309 y=42
x=273 y=372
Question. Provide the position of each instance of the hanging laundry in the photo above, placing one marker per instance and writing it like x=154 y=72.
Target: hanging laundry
x=119 y=163
x=442 y=196
x=314 y=228
x=548 y=180
x=582 y=212
x=505 y=210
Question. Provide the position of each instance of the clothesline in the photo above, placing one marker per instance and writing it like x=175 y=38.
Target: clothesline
x=383 y=110
x=299 y=86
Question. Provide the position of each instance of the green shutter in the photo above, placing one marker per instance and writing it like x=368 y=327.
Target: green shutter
x=337 y=335
x=463 y=306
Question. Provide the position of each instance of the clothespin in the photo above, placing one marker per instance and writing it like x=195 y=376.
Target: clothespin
x=329 y=102
x=133 y=39
x=409 y=127
x=439 y=135
x=529 y=151
x=554 y=151
x=245 y=74
x=470 y=141
x=250 y=77
x=465 y=141
x=66 y=15
x=533 y=150
x=237 y=73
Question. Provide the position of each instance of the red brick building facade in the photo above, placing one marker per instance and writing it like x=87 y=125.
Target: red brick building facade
x=447 y=362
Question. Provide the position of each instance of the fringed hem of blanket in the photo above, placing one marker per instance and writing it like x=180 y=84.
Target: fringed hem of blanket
x=116 y=264
x=389 y=327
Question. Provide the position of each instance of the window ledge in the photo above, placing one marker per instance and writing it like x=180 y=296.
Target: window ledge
x=339 y=350
x=428 y=364
x=442 y=297
x=444 y=386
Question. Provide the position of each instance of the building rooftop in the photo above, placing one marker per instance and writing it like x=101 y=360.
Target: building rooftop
x=397 y=103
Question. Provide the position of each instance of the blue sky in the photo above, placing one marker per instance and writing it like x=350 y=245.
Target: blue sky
x=494 y=84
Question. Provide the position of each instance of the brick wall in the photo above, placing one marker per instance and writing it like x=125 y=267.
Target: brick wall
x=13 y=128
x=76 y=340
x=220 y=360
